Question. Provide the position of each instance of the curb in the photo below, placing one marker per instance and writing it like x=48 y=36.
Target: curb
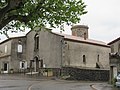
x=92 y=86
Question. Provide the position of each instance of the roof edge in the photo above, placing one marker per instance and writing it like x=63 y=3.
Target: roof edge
x=11 y=38
x=114 y=41
x=88 y=42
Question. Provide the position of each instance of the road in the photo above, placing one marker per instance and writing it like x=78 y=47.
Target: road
x=15 y=84
x=61 y=85
x=43 y=85
x=9 y=82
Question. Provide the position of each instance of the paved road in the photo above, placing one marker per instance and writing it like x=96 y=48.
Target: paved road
x=61 y=85
x=15 y=84
x=42 y=85
x=21 y=82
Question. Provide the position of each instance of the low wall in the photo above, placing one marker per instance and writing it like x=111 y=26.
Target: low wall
x=86 y=74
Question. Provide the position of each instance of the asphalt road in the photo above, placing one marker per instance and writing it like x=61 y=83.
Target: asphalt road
x=15 y=84
x=18 y=82
x=43 y=85
x=61 y=85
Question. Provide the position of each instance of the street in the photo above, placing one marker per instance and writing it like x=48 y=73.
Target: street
x=21 y=82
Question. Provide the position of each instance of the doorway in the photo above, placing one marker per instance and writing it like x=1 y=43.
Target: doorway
x=114 y=72
x=5 y=67
x=37 y=64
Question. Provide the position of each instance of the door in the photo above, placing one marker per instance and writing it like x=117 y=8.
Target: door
x=5 y=67
x=36 y=64
x=114 y=72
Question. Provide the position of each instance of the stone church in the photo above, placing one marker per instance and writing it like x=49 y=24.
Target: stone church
x=46 y=49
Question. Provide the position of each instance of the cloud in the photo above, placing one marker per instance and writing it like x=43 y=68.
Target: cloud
x=103 y=19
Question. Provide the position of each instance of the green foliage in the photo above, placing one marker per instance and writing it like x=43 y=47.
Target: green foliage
x=38 y=13
x=114 y=81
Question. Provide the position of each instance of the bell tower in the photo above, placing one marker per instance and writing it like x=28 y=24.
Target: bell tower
x=80 y=31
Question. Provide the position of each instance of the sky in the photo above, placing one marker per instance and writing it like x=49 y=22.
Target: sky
x=103 y=20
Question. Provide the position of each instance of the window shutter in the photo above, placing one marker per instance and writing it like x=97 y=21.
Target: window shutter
x=20 y=64
x=25 y=65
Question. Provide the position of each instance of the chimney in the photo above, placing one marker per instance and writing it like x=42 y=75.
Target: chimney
x=80 y=31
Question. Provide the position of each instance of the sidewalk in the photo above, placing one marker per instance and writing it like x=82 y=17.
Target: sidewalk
x=24 y=77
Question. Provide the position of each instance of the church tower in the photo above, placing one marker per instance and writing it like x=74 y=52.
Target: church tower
x=80 y=31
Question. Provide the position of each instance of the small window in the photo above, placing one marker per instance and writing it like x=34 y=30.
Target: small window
x=23 y=64
x=85 y=36
x=19 y=48
x=98 y=58
x=84 y=59
x=5 y=48
x=36 y=41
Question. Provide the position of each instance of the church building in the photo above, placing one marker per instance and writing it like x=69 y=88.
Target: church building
x=46 y=49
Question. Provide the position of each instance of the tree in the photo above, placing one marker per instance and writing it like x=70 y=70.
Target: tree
x=32 y=13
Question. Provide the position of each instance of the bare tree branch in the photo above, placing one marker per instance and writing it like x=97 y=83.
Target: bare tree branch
x=24 y=19
x=12 y=4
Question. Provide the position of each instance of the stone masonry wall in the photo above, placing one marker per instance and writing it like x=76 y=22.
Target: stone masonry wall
x=86 y=74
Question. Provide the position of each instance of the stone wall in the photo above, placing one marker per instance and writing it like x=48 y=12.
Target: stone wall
x=16 y=56
x=86 y=74
x=74 y=52
x=50 y=48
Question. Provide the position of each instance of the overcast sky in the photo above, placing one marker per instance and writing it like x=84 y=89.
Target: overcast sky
x=103 y=19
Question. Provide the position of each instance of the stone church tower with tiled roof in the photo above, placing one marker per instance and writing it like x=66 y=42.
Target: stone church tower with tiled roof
x=80 y=31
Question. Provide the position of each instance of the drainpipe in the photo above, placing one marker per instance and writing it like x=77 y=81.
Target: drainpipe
x=62 y=45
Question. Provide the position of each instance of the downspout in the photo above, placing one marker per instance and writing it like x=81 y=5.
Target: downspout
x=62 y=45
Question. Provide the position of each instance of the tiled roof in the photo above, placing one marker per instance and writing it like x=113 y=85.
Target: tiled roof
x=114 y=41
x=11 y=38
x=80 y=39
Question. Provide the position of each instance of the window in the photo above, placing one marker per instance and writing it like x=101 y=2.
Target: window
x=23 y=64
x=85 y=36
x=19 y=48
x=98 y=58
x=36 y=41
x=84 y=59
x=5 y=48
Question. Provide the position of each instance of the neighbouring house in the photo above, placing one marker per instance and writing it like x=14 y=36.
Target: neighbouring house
x=13 y=54
x=45 y=49
x=114 y=58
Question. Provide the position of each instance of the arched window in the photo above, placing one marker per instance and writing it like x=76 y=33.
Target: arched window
x=6 y=48
x=36 y=41
x=20 y=46
x=84 y=59
x=98 y=58
x=23 y=64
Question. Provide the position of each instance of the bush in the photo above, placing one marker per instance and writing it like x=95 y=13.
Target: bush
x=114 y=81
